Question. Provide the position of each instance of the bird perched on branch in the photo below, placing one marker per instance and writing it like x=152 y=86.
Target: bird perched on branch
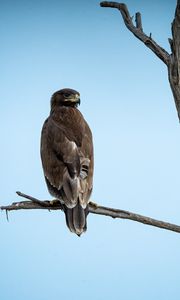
x=67 y=157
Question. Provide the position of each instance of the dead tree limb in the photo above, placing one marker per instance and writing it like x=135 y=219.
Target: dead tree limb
x=172 y=60
x=93 y=208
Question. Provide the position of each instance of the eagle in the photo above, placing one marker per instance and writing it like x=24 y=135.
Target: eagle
x=67 y=158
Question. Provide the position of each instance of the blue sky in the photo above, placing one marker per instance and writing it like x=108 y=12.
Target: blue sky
x=127 y=101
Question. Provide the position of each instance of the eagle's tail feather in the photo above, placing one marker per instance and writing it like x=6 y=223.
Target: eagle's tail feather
x=76 y=218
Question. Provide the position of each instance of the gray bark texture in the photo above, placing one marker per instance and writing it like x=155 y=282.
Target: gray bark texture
x=172 y=60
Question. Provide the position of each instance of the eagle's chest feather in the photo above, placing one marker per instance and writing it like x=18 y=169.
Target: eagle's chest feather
x=71 y=122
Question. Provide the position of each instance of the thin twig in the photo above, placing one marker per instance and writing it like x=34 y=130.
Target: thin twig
x=138 y=21
x=41 y=203
x=93 y=208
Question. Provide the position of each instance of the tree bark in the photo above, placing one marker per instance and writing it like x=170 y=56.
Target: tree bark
x=171 y=60
x=174 y=61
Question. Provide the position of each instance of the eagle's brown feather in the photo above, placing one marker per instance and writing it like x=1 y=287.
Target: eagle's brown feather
x=67 y=159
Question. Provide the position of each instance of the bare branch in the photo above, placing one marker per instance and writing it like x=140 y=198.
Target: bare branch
x=137 y=30
x=171 y=60
x=93 y=208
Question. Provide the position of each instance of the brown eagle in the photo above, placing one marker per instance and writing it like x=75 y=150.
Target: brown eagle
x=67 y=157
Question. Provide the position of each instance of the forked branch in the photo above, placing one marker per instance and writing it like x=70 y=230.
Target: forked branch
x=138 y=29
x=171 y=60
x=34 y=203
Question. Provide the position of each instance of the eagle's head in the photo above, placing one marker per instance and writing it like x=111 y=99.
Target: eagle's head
x=65 y=97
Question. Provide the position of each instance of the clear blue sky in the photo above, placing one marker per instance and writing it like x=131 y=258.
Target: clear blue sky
x=126 y=98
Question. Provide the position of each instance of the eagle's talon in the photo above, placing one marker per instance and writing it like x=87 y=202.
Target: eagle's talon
x=95 y=205
x=54 y=202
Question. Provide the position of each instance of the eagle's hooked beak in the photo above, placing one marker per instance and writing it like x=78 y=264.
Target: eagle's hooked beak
x=76 y=99
x=73 y=98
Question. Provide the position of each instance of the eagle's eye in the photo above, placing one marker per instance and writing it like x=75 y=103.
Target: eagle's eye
x=67 y=95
